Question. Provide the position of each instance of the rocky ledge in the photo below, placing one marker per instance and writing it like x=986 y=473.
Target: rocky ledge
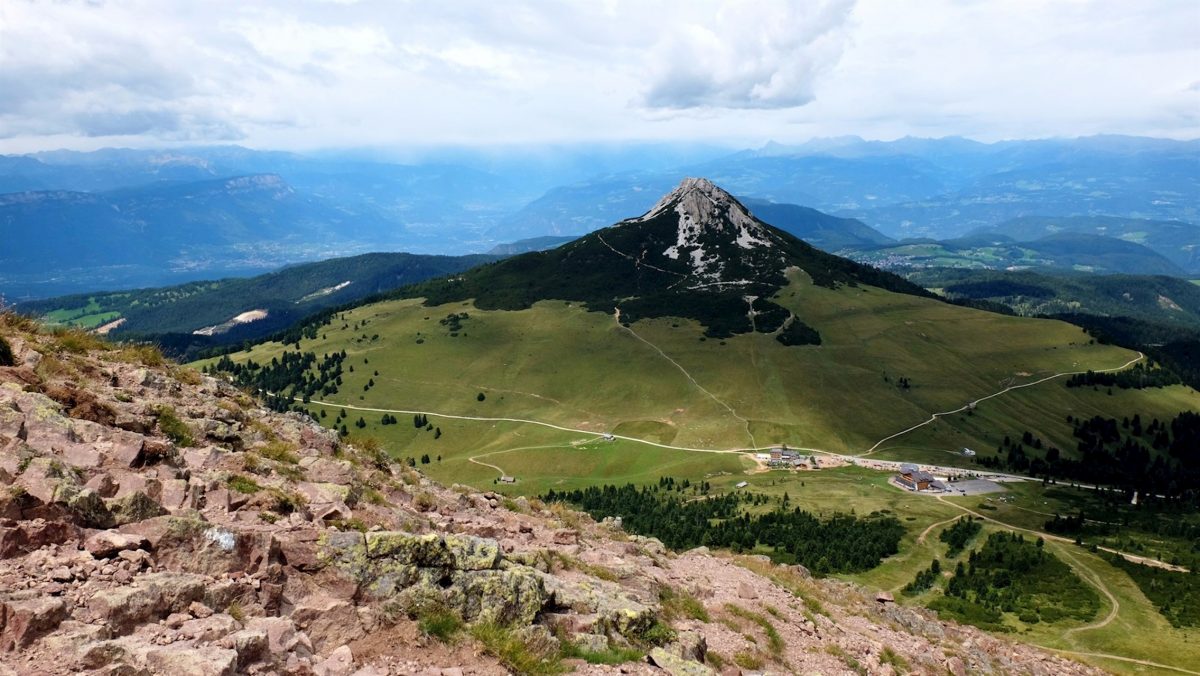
x=153 y=520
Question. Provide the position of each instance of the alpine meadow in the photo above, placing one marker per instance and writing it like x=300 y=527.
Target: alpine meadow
x=664 y=338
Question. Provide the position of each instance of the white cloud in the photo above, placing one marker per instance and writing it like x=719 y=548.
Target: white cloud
x=316 y=73
x=765 y=58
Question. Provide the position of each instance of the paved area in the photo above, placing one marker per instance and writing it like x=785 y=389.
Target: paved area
x=973 y=487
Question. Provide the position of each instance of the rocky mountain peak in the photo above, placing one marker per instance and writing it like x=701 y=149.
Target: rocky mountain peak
x=712 y=227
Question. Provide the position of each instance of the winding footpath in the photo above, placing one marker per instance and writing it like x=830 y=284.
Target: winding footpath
x=693 y=381
x=1010 y=388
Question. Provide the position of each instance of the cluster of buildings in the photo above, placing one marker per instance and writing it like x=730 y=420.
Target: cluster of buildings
x=785 y=458
x=916 y=479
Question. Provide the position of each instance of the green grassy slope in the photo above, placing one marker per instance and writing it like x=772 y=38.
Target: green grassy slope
x=660 y=380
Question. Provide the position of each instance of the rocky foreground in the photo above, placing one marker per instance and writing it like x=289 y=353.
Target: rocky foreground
x=153 y=520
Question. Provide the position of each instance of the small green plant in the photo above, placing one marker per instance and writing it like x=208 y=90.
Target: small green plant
x=78 y=341
x=440 y=623
x=658 y=633
x=424 y=501
x=714 y=660
x=235 y=611
x=146 y=355
x=280 y=451
x=679 y=603
x=612 y=655
x=269 y=517
x=350 y=524
x=889 y=656
x=243 y=484
x=774 y=640
x=173 y=428
x=747 y=659
x=285 y=502
x=514 y=653
x=854 y=664
x=186 y=375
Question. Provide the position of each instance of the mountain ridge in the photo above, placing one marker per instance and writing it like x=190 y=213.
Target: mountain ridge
x=698 y=253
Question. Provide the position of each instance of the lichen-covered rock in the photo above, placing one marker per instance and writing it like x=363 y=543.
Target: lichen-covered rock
x=689 y=645
x=136 y=506
x=434 y=550
x=616 y=612
x=513 y=596
x=89 y=509
x=677 y=666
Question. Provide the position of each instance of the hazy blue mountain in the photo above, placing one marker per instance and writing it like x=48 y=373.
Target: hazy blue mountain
x=1176 y=240
x=1078 y=252
x=469 y=200
x=1150 y=185
x=58 y=241
x=819 y=229
x=532 y=244
x=938 y=188
x=284 y=297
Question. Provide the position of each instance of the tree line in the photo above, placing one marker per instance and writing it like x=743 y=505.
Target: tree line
x=842 y=543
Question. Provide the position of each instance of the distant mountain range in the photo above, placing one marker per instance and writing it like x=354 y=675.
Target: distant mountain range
x=125 y=218
x=986 y=251
x=217 y=312
x=1177 y=241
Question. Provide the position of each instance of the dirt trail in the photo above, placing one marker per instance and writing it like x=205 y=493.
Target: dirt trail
x=1058 y=538
x=693 y=381
x=925 y=533
x=1130 y=660
x=737 y=451
x=1091 y=578
x=971 y=404
x=475 y=458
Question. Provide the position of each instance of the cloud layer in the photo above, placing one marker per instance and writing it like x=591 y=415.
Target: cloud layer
x=320 y=73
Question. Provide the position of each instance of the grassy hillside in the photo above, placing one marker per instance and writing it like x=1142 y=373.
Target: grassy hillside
x=661 y=380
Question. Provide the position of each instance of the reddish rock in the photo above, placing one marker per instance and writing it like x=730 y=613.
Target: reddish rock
x=299 y=549
x=103 y=485
x=329 y=622
x=565 y=536
x=339 y=663
x=26 y=536
x=186 y=660
x=151 y=597
x=281 y=632
x=26 y=617
x=107 y=543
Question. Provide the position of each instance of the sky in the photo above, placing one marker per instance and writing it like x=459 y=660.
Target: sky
x=323 y=74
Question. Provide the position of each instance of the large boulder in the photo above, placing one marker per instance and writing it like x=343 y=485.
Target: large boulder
x=186 y=660
x=136 y=506
x=614 y=610
x=676 y=665
x=152 y=597
x=507 y=597
x=329 y=622
x=19 y=537
x=27 y=615
x=107 y=543
x=434 y=550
